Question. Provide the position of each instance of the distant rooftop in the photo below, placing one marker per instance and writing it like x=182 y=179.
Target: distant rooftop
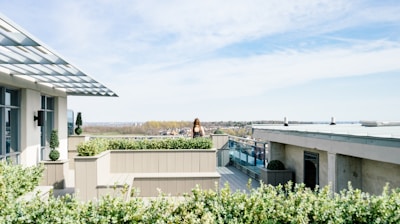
x=24 y=56
x=374 y=129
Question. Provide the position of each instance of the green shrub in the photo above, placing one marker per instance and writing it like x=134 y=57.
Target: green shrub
x=54 y=142
x=54 y=154
x=15 y=181
x=275 y=165
x=98 y=145
x=266 y=204
x=218 y=132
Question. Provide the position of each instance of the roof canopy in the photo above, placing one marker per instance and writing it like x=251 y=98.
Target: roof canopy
x=22 y=55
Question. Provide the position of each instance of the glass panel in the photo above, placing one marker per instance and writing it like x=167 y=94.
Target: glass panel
x=11 y=132
x=7 y=133
x=14 y=130
x=50 y=103
x=11 y=98
x=70 y=119
x=43 y=102
x=2 y=125
x=8 y=98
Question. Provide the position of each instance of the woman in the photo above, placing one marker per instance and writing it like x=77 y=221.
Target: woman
x=197 y=130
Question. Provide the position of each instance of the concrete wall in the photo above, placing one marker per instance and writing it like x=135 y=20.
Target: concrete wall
x=295 y=161
x=349 y=169
x=376 y=174
x=367 y=166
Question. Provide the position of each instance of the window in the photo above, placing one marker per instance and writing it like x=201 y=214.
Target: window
x=9 y=124
x=45 y=131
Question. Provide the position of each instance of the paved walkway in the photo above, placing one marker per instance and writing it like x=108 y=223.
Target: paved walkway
x=238 y=181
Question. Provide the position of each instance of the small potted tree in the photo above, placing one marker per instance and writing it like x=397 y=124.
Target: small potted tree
x=275 y=173
x=78 y=123
x=55 y=171
x=54 y=143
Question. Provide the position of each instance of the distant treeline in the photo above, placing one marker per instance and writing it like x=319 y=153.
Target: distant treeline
x=237 y=128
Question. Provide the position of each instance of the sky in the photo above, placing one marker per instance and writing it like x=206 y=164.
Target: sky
x=306 y=60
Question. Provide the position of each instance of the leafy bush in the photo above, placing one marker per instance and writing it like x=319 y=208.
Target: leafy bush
x=98 y=145
x=266 y=204
x=275 y=165
x=15 y=181
x=92 y=147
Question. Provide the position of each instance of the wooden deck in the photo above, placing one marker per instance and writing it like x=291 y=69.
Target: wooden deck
x=237 y=180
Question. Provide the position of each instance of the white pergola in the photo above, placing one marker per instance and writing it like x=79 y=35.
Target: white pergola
x=23 y=56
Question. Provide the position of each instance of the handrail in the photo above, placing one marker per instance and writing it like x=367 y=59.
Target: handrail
x=247 y=153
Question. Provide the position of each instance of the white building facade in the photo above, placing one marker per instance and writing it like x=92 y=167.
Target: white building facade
x=35 y=84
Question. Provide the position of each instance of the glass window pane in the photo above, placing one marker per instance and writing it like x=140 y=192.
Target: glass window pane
x=50 y=103
x=11 y=98
x=43 y=102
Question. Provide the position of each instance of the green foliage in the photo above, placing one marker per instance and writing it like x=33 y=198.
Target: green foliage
x=54 y=142
x=92 y=147
x=54 y=154
x=218 y=132
x=266 y=204
x=275 y=165
x=78 y=121
x=78 y=130
x=98 y=145
x=15 y=181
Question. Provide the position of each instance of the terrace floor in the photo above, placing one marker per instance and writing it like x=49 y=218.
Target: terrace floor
x=238 y=181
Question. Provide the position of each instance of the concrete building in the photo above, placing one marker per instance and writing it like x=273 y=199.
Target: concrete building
x=366 y=154
x=35 y=83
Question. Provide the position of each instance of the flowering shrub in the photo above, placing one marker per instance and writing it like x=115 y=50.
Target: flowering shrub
x=266 y=204
x=98 y=145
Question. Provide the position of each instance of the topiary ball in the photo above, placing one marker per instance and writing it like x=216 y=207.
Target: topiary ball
x=78 y=130
x=275 y=165
x=54 y=155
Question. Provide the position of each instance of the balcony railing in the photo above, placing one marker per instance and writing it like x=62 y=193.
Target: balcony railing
x=247 y=154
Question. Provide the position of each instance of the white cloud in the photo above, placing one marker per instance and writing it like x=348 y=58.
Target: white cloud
x=169 y=52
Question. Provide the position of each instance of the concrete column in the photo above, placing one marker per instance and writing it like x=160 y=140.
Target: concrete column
x=332 y=170
x=276 y=151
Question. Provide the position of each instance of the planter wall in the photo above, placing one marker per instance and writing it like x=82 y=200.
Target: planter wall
x=162 y=161
x=55 y=173
x=173 y=171
x=276 y=177
x=73 y=142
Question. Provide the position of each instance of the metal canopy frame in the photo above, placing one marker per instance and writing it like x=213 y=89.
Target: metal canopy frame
x=23 y=56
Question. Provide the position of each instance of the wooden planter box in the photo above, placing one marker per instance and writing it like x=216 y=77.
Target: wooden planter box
x=55 y=173
x=276 y=177
x=174 y=172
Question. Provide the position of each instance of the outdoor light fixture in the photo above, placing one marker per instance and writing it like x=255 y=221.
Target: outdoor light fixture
x=39 y=118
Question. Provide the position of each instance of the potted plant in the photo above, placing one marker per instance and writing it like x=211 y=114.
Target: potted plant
x=54 y=143
x=78 y=123
x=275 y=173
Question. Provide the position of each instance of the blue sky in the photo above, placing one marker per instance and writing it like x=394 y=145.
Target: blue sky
x=306 y=60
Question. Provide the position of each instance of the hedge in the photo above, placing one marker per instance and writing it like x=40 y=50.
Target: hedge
x=98 y=145
x=266 y=204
